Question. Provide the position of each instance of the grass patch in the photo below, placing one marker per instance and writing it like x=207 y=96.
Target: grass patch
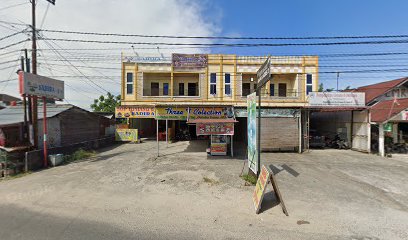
x=14 y=176
x=249 y=178
x=210 y=181
x=79 y=155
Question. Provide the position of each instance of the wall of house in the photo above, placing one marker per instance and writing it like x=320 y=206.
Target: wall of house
x=78 y=126
x=54 y=133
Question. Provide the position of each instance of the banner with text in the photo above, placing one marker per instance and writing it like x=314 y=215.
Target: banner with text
x=252 y=151
x=215 y=128
x=134 y=112
x=337 y=99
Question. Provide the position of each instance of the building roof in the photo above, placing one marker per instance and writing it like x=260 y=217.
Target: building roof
x=384 y=110
x=375 y=90
x=8 y=98
x=15 y=114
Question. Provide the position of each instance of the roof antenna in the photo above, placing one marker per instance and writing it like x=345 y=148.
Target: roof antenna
x=161 y=54
x=133 y=48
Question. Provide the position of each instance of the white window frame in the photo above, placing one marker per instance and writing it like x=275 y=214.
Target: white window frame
x=309 y=84
x=227 y=84
x=131 y=83
x=213 y=84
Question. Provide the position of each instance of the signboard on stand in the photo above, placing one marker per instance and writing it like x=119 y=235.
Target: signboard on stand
x=126 y=135
x=259 y=192
x=252 y=151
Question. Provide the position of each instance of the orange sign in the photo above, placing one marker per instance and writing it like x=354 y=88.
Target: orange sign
x=260 y=188
x=134 y=112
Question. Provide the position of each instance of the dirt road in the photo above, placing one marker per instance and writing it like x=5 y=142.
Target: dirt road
x=129 y=193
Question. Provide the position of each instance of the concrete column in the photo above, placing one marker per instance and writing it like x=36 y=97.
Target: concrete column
x=395 y=133
x=381 y=149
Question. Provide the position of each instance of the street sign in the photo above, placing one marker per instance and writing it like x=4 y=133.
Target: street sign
x=51 y=1
x=36 y=85
x=264 y=73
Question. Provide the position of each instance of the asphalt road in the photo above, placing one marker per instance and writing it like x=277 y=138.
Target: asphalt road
x=128 y=193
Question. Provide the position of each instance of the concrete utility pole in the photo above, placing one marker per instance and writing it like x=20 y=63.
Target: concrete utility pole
x=337 y=81
x=34 y=71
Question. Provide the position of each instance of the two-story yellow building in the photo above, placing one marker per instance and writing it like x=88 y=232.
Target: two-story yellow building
x=212 y=86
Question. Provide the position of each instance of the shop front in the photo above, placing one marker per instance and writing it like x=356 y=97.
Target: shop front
x=137 y=117
x=220 y=131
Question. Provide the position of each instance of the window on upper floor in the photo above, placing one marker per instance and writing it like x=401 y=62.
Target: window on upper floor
x=165 y=89
x=272 y=89
x=309 y=83
x=213 y=83
x=129 y=83
x=227 y=82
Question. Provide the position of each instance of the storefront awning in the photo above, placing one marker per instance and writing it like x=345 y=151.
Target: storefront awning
x=213 y=120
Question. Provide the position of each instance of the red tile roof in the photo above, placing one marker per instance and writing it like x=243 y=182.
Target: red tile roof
x=375 y=90
x=384 y=110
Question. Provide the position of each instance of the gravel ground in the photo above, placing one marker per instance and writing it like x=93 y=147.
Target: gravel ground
x=126 y=192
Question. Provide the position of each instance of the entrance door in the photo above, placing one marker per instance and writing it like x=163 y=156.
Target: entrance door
x=154 y=89
x=282 y=89
x=192 y=89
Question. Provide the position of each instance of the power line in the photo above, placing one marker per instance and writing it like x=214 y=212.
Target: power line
x=13 y=44
x=231 y=44
x=223 y=37
x=11 y=6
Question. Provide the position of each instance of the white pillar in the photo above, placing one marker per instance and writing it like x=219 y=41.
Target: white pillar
x=381 y=149
x=167 y=133
x=157 y=135
x=232 y=145
x=395 y=133
x=300 y=131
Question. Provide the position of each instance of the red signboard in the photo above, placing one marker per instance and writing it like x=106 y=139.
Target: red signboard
x=215 y=129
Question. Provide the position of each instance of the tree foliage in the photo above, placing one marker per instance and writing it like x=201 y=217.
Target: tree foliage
x=106 y=104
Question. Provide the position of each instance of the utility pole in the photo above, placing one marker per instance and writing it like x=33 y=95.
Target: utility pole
x=34 y=71
x=338 y=74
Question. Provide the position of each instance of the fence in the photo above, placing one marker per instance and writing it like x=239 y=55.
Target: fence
x=34 y=159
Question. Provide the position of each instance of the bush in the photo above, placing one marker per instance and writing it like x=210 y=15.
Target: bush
x=249 y=178
x=79 y=155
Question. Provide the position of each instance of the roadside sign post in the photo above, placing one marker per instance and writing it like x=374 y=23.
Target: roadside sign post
x=46 y=88
x=263 y=75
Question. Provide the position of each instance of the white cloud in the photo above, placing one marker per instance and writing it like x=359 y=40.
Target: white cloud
x=156 y=17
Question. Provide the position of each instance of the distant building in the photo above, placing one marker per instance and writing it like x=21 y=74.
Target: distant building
x=7 y=100
x=67 y=124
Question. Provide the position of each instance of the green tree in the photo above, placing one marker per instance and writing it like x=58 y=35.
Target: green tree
x=321 y=88
x=106 y=104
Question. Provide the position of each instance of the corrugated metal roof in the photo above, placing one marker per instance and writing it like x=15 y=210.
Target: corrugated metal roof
x=375 y=90
x=15 y=114
x=384 y=110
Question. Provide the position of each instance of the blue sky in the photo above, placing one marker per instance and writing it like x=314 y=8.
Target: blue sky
x=321 y=18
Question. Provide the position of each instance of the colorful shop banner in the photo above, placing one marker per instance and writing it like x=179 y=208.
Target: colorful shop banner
x=126 y=135
x=252 y=151
x=260 y=187
x=269 y=112
x=134 y=112
x=218 y=149
x=171 y=113
x=189 y=60
x=215 y=128
x=210 y=112
x=388 y=127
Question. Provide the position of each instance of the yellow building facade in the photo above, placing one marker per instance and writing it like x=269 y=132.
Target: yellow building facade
x=218 y=80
